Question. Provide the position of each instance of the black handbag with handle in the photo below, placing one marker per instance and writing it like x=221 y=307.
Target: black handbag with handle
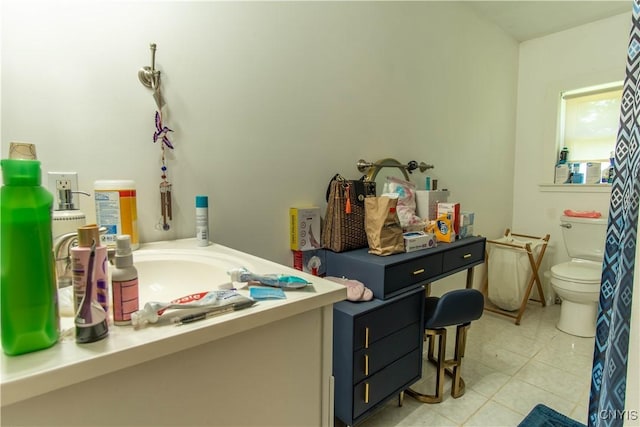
x=343 y=227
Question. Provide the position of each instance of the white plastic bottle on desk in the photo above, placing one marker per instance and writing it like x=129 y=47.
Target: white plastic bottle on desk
x=124 y=283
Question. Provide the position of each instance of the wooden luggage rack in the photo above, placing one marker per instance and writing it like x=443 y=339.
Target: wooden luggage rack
x=534 y=261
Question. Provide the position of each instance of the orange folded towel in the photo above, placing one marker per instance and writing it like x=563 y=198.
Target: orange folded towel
x=582 y=214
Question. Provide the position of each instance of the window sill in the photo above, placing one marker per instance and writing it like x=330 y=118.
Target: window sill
x=575 y=188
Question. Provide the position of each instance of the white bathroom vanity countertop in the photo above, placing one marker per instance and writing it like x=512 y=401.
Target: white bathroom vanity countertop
x=67 y=362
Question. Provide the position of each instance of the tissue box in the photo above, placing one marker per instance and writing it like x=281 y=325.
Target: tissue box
x=416 y=240
x=452 y=210
x=304 y=228
x=562 y=174
x=312 y=262
x=594 y=173
x=427 y=203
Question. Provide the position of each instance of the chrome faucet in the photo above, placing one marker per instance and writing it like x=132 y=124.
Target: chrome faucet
x=62 y=254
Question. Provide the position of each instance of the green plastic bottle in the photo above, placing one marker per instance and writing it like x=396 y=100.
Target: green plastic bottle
x=28 y=294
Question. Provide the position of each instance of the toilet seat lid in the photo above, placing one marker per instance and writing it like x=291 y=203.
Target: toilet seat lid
x=585 y=272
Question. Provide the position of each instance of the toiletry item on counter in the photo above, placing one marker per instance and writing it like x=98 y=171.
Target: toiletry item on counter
x=467 y=219
x=124 y=282
x=89 y=260
x=261 y=293
x=116 y=209
x=277 y=280
x=153 y=310
x=80 y=257
x=304 y=228
x=28 y=301
x=66 y=218
x=215 y=311
x=202 y=220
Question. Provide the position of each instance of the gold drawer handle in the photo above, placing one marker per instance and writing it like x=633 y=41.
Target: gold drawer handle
x=465 y=256
x=415 y=273
x=366 y=337
x=366 y=364
x=366 y=392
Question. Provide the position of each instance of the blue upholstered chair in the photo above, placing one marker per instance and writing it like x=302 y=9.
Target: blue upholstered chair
x=459 y=307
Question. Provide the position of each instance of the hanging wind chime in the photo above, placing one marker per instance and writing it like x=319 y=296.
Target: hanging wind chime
x=150 y=77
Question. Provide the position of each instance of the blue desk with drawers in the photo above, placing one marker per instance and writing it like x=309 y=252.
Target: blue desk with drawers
x=377 y=345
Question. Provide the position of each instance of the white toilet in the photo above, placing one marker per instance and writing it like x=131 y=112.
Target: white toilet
x=577 y=282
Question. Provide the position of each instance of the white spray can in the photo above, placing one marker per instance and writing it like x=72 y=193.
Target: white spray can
x=202 y=220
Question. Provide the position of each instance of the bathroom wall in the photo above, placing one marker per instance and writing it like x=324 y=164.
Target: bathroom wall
x=267 y=101
x=586 y=55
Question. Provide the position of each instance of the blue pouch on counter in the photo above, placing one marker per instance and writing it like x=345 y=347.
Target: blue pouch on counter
x=263 y=293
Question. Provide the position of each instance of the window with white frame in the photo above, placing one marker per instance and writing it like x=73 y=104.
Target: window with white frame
x=589 y=121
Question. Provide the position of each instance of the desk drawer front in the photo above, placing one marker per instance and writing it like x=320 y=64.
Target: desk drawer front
x=465 y=256
x=418 y=270
x=400 y=374
x=376 y=325
x=368 y=362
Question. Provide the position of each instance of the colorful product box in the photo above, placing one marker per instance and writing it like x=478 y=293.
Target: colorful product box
x=452 y=210
x=312 y=262
x=416 y=240
x=593 y=173
x=304 y=228
x=562 y=174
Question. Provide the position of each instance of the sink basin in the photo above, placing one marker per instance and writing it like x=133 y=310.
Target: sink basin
x=167 y=274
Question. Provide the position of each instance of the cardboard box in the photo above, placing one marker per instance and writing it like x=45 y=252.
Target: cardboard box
x=312 y=262
x=304 y=228
x=427 y=203
x=452 y=210
x=416 y=240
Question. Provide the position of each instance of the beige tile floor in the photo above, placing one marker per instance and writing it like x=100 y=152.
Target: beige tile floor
x=508 y=369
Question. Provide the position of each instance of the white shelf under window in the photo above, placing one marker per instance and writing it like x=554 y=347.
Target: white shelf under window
x=575 y=188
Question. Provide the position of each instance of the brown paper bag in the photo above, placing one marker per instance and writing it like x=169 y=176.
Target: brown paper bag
x=384 y=232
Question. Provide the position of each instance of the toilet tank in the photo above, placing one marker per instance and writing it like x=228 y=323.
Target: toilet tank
x=584 y=238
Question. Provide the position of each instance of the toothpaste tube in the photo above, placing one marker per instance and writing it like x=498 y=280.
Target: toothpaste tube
x=278 y=280
x=153 y=310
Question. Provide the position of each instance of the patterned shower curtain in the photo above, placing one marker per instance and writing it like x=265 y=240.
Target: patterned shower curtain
x=608 y=379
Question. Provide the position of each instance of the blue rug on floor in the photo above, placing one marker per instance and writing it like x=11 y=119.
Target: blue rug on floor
x=543 y=416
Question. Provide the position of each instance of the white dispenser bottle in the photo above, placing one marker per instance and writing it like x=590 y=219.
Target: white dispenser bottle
x=124 y=283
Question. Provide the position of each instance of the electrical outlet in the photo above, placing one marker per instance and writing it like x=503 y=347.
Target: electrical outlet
x=59 y=182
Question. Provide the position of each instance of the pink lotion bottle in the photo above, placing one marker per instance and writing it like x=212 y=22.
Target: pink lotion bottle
x=89 y=263
x=124 y=282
